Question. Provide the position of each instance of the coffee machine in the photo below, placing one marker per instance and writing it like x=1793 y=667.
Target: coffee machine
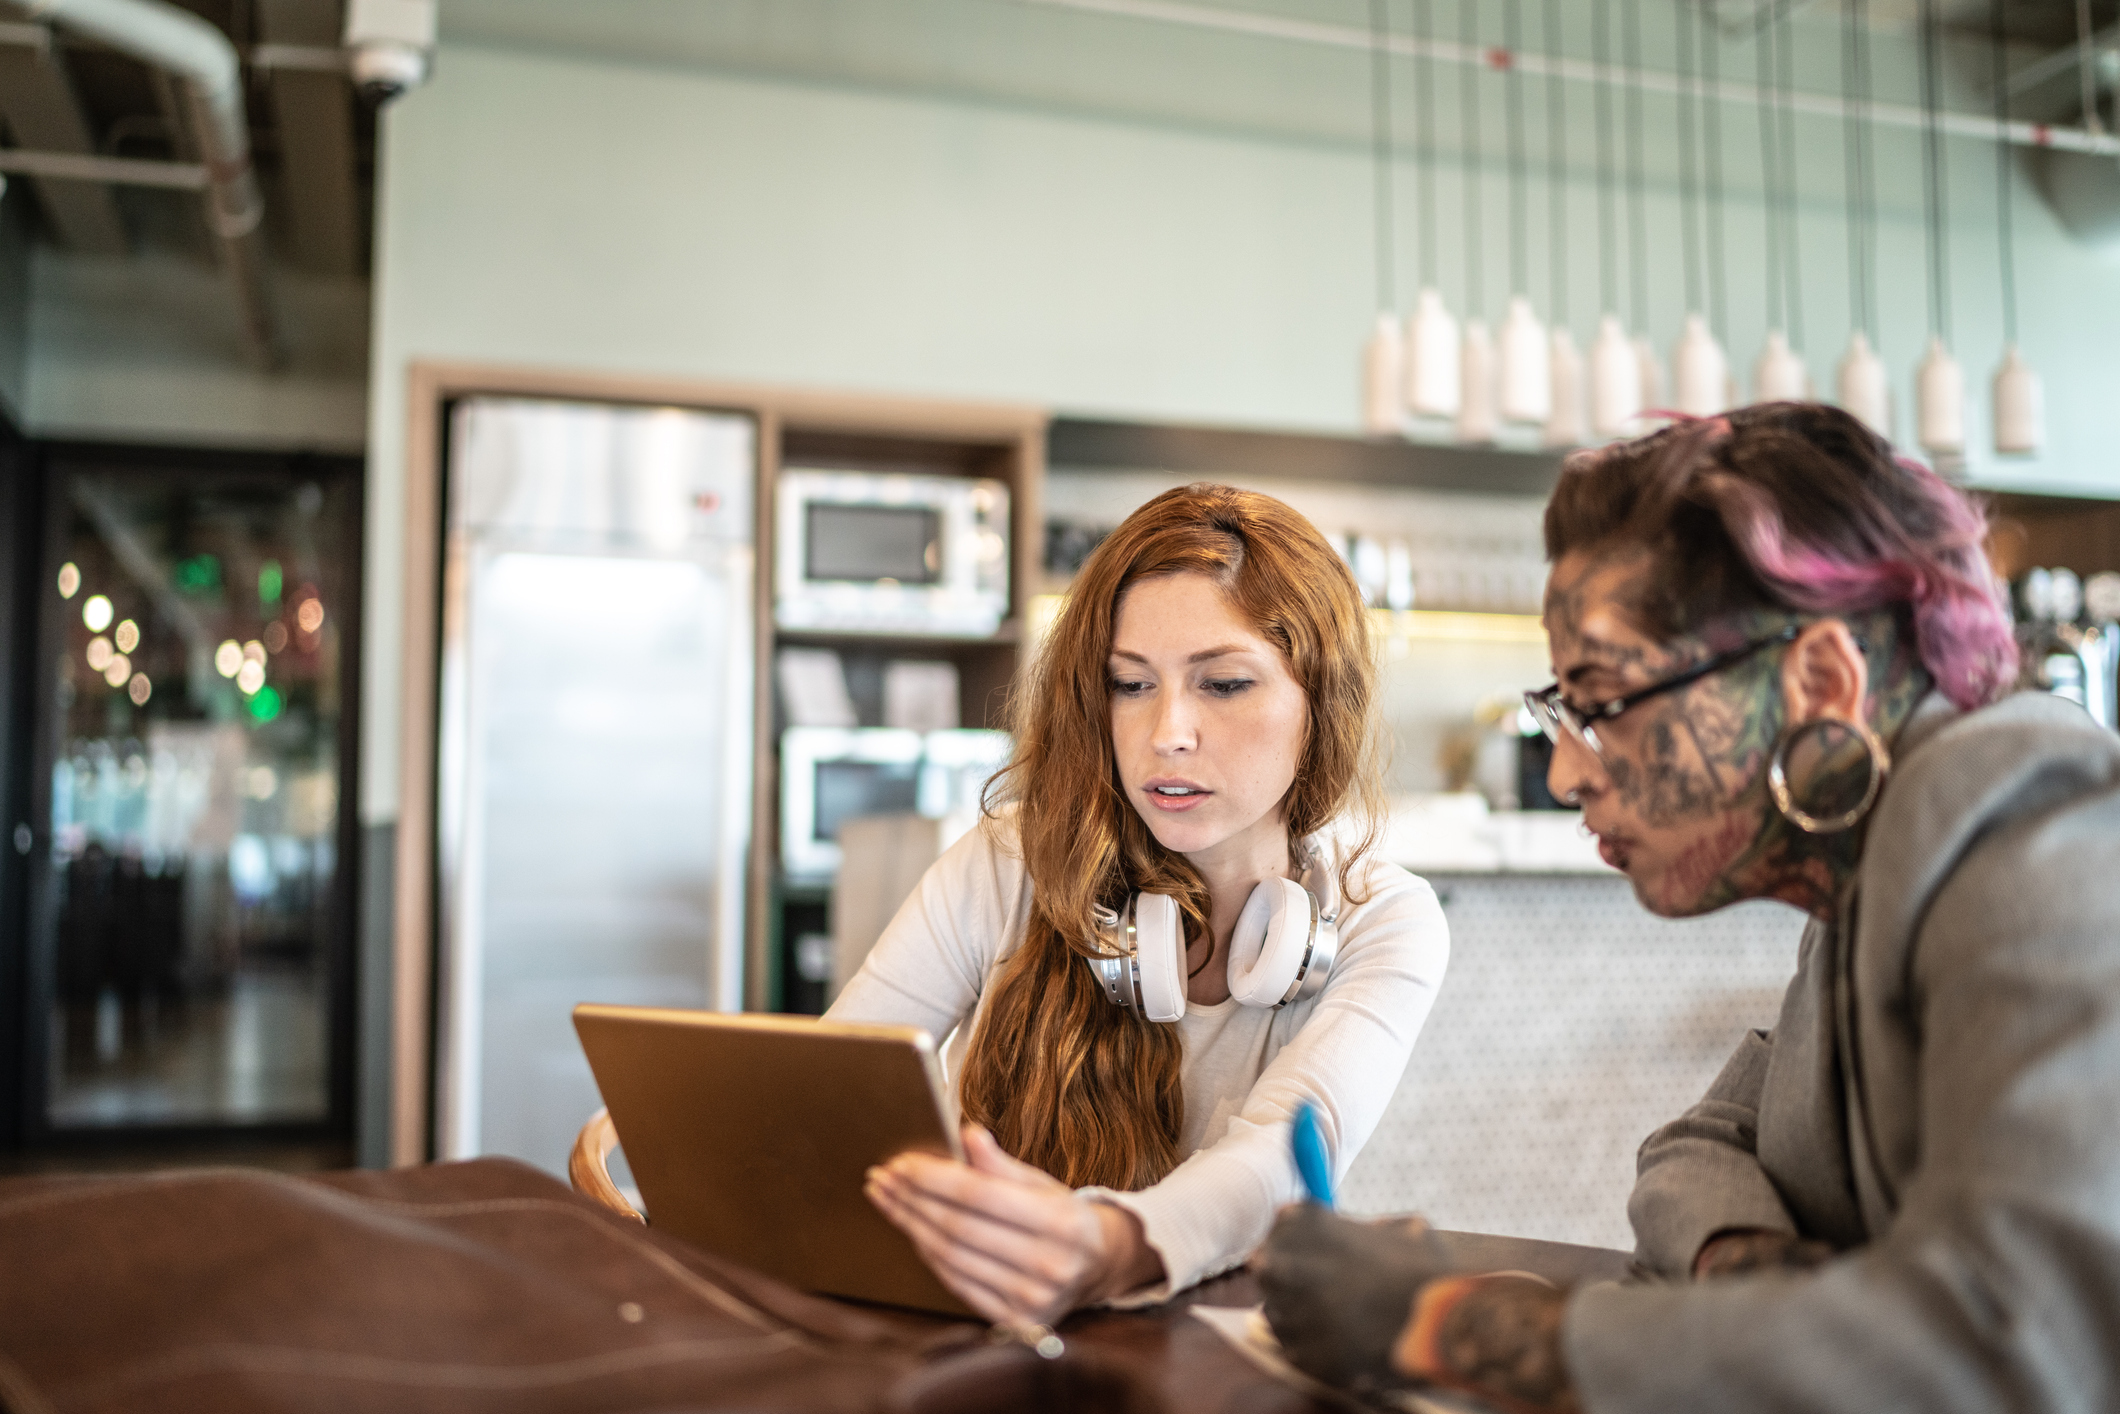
x=2068 y=636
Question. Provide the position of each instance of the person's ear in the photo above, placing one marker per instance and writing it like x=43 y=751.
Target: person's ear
x=1824 y=675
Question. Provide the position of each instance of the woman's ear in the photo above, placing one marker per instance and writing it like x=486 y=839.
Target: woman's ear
x=1824 y=675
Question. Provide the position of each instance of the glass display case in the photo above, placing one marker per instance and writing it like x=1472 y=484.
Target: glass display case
x=190 y=918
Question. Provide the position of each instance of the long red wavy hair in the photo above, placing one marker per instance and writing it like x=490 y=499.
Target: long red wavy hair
x=1085 y=1090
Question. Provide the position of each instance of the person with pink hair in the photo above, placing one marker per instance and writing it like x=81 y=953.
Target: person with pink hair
x=1783 y=672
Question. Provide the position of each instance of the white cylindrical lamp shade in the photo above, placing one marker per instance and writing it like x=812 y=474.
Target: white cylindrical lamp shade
x=1615 y=380
x=1432 y=382
x=1383 y=379
x=1568 y=423
x=1652 y=373
x=1864 y=385
x=1778 y=375
x=1477 y=418
x=1700 y=374
x=2020 y=407
x=1939 y=400
x=1526 y=365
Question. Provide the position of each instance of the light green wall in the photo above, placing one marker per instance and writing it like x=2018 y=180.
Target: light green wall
x=619 y=215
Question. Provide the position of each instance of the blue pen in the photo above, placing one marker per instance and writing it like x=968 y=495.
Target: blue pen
x=1311 y=1162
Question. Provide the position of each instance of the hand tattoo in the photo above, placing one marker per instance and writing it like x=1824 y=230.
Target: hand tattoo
x=1748 y=1250
x=1497 y=1337
x=1338 y=1292
x=1376 y=1306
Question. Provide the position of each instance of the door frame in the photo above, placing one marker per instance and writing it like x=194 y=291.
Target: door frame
x=431 y=386
x=21 y=538
x=34 y=547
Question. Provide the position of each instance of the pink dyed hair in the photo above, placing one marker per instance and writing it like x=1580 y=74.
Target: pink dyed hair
x=1795 y=506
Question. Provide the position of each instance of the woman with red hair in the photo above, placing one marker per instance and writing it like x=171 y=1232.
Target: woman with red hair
x=1782 y=663
x=1195 y=770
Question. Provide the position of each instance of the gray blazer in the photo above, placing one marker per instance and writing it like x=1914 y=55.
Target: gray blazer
x=1940 y=1101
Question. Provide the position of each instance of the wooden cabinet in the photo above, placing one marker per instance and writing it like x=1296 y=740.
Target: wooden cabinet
x=871 y=434
x=2054 y=532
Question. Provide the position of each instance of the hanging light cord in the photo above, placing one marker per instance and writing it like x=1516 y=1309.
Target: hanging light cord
x=1519 y=199
x=1711 y=143
x=1637 y=197
x=1424 y=114
x=1861 y=180
x=1851 y=166
x=1380 y=142
x=1933 y=179
x=1607 y=208
x=1474 y=155
x=1791 y=244
x=1769 y=171
x=2005 y=233
x=2087 y=85
x=1688 y=182
x=1557 y=167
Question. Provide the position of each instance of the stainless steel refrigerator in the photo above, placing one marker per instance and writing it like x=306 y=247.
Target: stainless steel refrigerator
x=594 y=786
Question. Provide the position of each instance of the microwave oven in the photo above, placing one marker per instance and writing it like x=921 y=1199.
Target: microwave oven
x=890 y=552
x=829 y=775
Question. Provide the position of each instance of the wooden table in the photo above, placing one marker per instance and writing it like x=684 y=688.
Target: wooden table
x=1192 y=1368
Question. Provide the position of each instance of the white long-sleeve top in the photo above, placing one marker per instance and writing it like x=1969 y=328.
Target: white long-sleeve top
x=1245 y=1068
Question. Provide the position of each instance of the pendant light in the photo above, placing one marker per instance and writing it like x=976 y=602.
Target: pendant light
x=1862 y=385
x=1477 y=417
x=1939 y=383
x=2019 y=400
x=1479 y=384
x=1383 y=377
x=1615 y=376
x=1568 y=420
x=1520 y=352
x=1432 y=387
x=1649 y=367
x=1384 y=358
x=1700 y=373
x=1520 y=346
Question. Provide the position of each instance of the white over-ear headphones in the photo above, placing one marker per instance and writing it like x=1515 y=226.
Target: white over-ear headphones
x=1281 y=951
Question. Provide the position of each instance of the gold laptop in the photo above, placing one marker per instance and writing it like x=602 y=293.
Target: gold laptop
x=750 y=1135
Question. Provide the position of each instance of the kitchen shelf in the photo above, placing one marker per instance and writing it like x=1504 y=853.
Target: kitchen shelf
x=1237 y=453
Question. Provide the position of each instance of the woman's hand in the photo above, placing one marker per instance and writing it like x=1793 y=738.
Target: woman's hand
x=1014 y=1243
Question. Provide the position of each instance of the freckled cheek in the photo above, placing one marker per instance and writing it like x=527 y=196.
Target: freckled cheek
x=1270 y=741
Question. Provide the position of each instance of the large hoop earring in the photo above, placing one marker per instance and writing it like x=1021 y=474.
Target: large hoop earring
x=1880 y=762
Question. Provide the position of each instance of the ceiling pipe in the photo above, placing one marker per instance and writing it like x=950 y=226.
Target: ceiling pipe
x=211 y=79
x=1192 y=15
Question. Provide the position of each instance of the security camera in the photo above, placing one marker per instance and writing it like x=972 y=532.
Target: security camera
x=388 y=45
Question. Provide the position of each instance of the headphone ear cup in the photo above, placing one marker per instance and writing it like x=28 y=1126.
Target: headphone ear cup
x=1159 y=947
x=1267 y=945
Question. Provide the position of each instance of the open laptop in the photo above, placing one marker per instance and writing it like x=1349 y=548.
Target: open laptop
x=750 y=1135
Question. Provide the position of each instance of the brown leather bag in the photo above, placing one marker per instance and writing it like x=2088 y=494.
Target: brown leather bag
x=460 y=1287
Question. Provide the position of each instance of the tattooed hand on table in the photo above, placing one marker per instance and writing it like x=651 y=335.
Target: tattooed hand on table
x=1740 y=1250
x=1375 y=1306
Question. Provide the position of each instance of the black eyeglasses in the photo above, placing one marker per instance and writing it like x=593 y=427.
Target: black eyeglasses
x=1554 y=715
